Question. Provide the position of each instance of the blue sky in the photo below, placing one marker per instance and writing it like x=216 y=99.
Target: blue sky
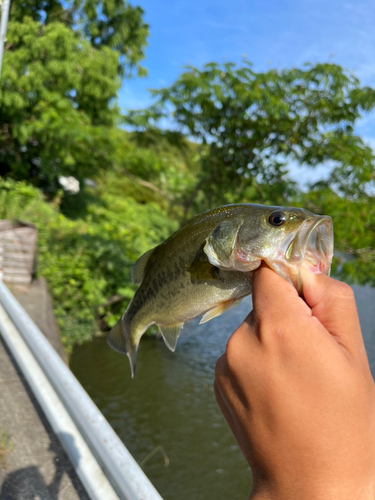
x=270 y=33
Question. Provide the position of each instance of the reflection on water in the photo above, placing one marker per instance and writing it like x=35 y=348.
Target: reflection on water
x=171 y=403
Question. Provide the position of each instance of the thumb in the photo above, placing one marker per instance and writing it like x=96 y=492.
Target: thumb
x=332 y=302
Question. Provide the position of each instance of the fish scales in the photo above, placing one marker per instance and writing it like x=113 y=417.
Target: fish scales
x=159 y=297
x=206 y=267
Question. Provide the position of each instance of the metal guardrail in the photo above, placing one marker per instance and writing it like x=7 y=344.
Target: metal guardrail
x=84 y=463
x=3 y=27
x=118 y=465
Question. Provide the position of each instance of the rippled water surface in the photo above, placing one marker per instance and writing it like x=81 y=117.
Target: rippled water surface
x=171 y=403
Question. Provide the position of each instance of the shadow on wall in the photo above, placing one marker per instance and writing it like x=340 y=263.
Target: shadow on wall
x=28 y=483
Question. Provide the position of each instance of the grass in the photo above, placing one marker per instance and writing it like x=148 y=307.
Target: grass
x=6 y=446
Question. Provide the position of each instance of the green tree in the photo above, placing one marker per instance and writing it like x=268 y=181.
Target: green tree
x=87 y=260
x=354 y=228
x=63 y=65
x=255 y=123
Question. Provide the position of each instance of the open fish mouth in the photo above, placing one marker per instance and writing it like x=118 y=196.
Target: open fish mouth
x=314 y=244
x=311 y=247
x=319 y=246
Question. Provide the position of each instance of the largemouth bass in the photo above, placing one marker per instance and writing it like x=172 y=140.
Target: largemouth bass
x=206 y=267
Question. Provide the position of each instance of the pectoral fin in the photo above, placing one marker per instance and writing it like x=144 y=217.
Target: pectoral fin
x=219 y=309
x=203 y=271
x=170 y=334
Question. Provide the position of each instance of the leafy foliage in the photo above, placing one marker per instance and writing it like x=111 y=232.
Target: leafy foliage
x=256 y=123
x=63 y=65
x=64 y=62
x=165 y=158
x=354 y=228
x=87 y=261
x=102 y=23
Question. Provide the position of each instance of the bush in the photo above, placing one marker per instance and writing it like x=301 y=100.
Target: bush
x=87 y=261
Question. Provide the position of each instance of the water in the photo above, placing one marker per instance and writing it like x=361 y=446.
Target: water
x=171 y=404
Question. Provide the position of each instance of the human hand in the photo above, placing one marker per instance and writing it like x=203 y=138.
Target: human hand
x=295 y=387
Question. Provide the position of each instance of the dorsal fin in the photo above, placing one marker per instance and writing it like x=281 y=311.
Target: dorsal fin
x=170 y=334
x=138 y=270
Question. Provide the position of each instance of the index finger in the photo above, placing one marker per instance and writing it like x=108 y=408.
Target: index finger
x=333 y=304
x=273 y=296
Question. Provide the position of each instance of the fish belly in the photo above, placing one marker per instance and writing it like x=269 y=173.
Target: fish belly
x=184 y=299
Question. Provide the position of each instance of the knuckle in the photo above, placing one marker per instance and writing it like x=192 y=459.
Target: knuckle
x=240 y=346
x=220 y=367
x=233 y=353
x=343 y=290
x=269 y=327
x=233 y=347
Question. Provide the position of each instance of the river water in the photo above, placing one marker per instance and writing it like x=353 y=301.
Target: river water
x=171 y=404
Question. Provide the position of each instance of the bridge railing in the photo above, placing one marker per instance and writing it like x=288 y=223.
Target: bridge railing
x=104 y=465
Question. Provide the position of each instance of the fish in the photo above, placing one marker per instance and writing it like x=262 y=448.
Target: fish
x=206 y=267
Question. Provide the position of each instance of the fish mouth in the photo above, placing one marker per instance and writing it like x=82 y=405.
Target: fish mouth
x=311 y=247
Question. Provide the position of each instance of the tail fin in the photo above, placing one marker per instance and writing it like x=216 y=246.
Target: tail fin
x=122 y=341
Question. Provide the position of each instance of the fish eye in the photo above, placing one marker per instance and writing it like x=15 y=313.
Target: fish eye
x=277 y=218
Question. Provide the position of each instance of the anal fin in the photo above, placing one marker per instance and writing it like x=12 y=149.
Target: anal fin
x=170 y=334
x=219 y=309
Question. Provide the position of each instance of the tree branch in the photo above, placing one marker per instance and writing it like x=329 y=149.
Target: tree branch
x=147 y=184
x=113 y=300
